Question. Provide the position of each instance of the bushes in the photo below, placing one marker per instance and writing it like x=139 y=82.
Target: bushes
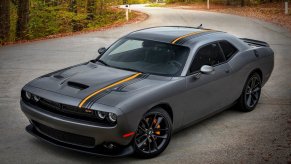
x=50 y=17
x=137 y=1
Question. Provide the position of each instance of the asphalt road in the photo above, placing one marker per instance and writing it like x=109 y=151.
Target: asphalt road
x=263 y=135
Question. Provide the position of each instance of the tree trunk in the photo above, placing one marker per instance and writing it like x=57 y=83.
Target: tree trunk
x=242 y=3
x=73 y=6
x=227 y=2
x=91 y=9
x=22 y=21
x=4 y=20
x=101 y=7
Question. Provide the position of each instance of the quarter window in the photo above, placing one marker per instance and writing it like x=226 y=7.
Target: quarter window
x=207 y=55
x=228 y=49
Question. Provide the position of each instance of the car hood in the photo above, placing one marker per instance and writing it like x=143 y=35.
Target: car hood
x=83 y=80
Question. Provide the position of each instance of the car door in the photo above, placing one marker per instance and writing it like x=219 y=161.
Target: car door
x=206 y=93
x=229 y=51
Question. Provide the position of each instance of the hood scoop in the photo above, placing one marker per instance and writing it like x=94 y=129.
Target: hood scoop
x=77 y=85
x=58 y=76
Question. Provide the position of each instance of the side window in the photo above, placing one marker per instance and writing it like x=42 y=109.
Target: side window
x=207 y=55
x=228 y=49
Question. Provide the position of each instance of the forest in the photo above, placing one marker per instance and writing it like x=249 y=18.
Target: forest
x=32 y=19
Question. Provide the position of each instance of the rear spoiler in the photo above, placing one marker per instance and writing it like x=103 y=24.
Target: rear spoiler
x=255 y=42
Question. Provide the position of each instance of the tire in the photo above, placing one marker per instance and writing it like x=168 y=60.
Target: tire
x=251 y=93
x=153 y=134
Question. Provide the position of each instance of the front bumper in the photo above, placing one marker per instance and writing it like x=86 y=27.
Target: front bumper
x=100 y=135
x=98 y=150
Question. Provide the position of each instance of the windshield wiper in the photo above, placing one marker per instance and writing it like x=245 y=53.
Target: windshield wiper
x=130 y=69
x=103 y=62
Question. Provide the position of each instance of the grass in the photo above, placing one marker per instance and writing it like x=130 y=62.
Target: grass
x=155 y=5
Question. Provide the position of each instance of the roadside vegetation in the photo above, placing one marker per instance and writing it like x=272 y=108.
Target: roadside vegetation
x=22 y=20
x=226 y=2
x=267 y=10
x=155 y=5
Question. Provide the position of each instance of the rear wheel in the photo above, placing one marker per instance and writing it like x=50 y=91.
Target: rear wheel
x=153 y=134
x=251 y=93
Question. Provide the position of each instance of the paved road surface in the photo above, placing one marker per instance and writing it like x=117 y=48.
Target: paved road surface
x=260 y=136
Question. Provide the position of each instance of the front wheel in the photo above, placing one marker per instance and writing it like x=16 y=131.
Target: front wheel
x=251 y=93
x=153 y=134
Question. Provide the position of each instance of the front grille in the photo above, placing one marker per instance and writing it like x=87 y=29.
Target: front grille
x=67 y=110
x=65 y=136
x=49 y=104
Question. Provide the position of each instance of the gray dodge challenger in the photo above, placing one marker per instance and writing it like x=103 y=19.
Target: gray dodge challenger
x=144 y=87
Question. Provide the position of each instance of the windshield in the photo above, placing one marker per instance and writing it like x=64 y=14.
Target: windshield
x=146 y=56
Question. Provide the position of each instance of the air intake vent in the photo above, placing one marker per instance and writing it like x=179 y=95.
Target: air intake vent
x=58 y=76
x=77 y=85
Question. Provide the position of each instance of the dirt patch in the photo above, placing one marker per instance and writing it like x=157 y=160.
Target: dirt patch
x=270 y=12
x=137 y=17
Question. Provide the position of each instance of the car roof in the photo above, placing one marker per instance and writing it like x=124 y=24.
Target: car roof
x=178 y=35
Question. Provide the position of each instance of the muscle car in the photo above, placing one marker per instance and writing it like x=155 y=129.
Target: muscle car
x=144 y=87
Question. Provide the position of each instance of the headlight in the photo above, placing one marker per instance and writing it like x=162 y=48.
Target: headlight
x=28 y=95
x=101 y=115
x=36 y=98
x=112 y=117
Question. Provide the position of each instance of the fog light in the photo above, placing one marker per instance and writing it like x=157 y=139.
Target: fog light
x=28 y=95
x=101 y=115
x=112 y=117
x=36 y=98
x=109 y=146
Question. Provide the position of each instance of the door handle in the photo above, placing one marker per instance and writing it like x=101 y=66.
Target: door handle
x=227 y=71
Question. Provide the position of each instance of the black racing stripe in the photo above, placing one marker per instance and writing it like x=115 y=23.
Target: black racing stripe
x=133 y=81
x=91 y=101
x=184 y=40
x=121 y=86
x=94 y=99
x=142 y=77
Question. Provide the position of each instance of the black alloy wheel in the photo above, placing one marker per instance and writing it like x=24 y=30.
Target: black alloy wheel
x=153 y=134
x=251 y=93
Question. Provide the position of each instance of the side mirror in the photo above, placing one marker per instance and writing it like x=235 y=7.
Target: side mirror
x=102 y=50
x=206 y=69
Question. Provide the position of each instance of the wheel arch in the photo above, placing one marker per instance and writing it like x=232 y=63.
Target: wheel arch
x=256 y=70
x=167 y=108
x=259 y=71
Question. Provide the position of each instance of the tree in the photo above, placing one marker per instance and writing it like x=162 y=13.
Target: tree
x=91 y=8
x=73 y=6
x=23 y=18
x=242 y=3
x=101 y=7
x=227 y=2
x=4 y=19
